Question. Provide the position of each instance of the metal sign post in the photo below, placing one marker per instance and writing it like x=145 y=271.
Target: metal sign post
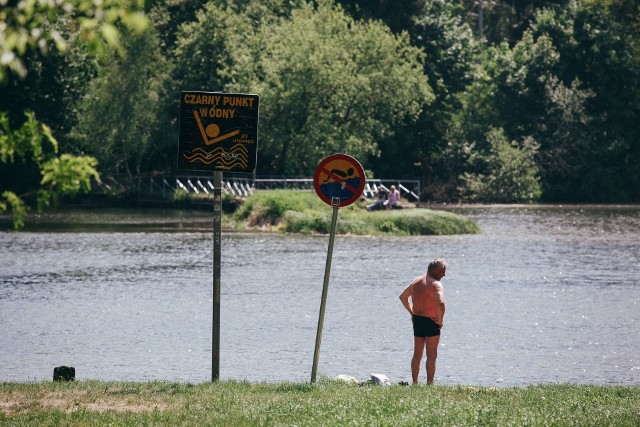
x=217 y=237
x=218 y=132
x=325 y=288
x=339 y=181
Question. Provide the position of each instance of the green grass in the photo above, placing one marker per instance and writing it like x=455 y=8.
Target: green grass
x=303 y=212
x=328 y=403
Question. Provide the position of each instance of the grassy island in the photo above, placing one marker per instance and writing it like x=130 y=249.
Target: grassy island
x=294 y=211
x=327 y=403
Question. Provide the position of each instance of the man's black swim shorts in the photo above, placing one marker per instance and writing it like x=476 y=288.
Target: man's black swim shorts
x=424 y=327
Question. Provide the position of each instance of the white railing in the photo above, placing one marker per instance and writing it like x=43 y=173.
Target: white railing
x=242 y=187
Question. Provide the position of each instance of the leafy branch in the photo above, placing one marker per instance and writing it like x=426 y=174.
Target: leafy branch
x=64 y=174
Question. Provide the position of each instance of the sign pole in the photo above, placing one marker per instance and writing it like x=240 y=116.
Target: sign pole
x=339 y=181
x=325 y=288
x=217 y=237
x=218 y=132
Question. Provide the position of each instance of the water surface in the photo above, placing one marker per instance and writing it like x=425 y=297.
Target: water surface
x=543 y=295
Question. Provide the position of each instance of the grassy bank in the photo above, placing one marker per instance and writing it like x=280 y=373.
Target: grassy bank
x=303 y=212
x=328 y=403
x=289 y=211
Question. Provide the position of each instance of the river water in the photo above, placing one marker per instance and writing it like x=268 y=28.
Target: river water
x=543 y=295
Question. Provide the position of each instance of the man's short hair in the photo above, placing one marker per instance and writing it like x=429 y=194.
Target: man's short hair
x=437 y=263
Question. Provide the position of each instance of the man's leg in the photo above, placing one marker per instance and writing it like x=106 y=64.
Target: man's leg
x=418 y=349
x=432 y=354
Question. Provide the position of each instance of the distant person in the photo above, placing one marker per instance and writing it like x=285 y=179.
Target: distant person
x=427 y=313
x=381 y=200
x=393 y=199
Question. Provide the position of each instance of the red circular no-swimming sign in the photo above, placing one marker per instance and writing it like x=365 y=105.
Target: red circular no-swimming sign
x=339 y=180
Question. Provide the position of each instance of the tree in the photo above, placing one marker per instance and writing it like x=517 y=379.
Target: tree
x=518 y=90
x=202 y=49
x=120 y=115
x=327 y=84
x=509 y=171
x=599 y=45
x=221 y=46
x=27 y=26
x=398 y=15
x=55 y=82
x=61 y=174
x=451 y=52
x=497 y=21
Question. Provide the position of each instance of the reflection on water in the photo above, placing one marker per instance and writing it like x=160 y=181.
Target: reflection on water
x=542 y=295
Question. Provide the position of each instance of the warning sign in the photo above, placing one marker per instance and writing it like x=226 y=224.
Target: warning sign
x=339 y=180
x=218 y=131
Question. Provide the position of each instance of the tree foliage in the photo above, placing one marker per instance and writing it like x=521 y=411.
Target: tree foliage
x=61 y=175
x=120 y=115
x=486 y=100
x=331 y=84
x=519 y=91
x=24 y=27
x=451 y=53
x=509 y=173
x=599 y=44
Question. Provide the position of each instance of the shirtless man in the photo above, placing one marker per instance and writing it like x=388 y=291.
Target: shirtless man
x=427 y=312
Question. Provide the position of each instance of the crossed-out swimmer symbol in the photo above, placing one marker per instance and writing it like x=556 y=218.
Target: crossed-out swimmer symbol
x=341 y=174
x=339 y=177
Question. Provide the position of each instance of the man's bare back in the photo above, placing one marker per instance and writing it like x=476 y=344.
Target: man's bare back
x=427 y=296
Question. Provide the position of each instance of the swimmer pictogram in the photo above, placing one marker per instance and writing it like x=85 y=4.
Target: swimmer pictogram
x=339 y=180
x=218 y=131
x=212 y=131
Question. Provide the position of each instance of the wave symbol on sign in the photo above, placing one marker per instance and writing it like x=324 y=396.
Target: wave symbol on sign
x=236 y=157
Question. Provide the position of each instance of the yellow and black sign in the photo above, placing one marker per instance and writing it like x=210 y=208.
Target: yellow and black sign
x=218 y=131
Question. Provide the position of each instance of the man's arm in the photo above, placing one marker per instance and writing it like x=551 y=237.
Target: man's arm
x=404 y=297
x=440 y=306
